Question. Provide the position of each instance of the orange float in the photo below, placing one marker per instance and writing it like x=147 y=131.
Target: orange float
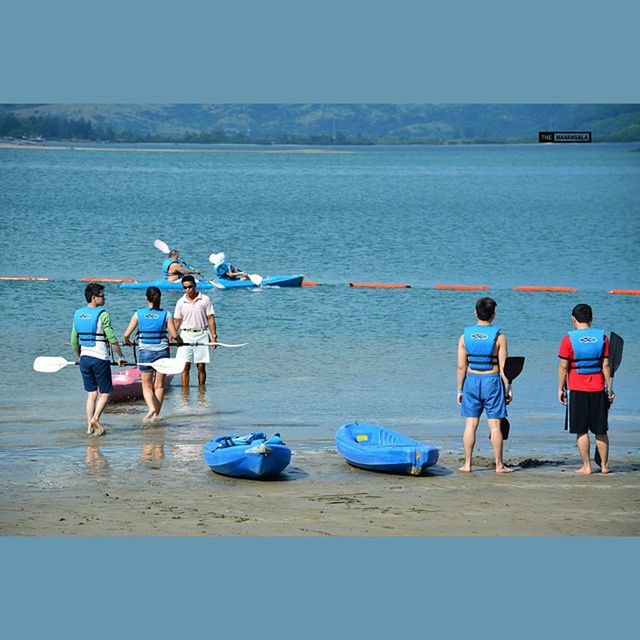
x=380 y=285
x=625 y=292
x=310 y=283
x=544 y=288
x=463 y=287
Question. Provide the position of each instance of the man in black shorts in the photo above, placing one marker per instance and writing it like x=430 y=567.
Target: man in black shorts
x=584 y=380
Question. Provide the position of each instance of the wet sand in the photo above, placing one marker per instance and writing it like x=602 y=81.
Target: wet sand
x=320 y=495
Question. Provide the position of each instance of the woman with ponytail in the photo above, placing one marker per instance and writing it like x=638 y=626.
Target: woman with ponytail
x=155 y=326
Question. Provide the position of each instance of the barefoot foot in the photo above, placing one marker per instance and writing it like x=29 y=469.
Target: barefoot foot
x=98 y=428
x=584 y=471
x=465 y=469
x=503 y=469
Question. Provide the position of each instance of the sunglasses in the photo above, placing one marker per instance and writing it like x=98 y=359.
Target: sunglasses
x=189 y=286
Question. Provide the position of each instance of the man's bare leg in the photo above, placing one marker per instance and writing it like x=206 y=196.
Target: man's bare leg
x=202 y=373
x=90 y=408
x=469 y=442
x=497 y=443
x=185 y=374
x=583 y=447
x=101 y=403
x=602 y=443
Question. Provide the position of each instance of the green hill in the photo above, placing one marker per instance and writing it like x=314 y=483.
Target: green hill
x=319 y=123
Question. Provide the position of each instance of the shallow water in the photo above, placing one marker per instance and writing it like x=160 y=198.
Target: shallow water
x=317 y=357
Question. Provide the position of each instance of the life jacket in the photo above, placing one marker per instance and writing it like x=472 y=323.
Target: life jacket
x=85 y=322
x=588 y=347
x=222 y=270
x=152 y=325
x=479 y=341
x=166 y=264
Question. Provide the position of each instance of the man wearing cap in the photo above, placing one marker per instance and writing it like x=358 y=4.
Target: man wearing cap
x=195 y=318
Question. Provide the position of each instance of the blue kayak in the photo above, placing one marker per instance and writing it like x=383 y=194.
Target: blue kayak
x=250 y=456
x=165 y=285
x=372 y=447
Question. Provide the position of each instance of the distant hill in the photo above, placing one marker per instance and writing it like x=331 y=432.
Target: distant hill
x=322 y=123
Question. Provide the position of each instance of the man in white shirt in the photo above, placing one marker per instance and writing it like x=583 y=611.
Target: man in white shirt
x=195 y=318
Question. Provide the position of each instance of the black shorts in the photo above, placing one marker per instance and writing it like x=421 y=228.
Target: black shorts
x=588 y=411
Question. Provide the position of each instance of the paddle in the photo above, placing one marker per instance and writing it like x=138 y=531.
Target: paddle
x=164 y=247
x=49 y=364
x=208 y=344
x=616 y=345
x=512 y=369
x=254 y=277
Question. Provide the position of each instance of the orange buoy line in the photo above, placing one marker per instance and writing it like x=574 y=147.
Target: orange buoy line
x=380 y=285
x=544 y=288
x=23 y=278
x=91 y=279
x=310 y=283
x=625 y=292
x=463 y=287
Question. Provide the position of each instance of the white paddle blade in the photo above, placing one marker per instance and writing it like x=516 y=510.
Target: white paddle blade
x=168 y=366
x=162 y=246
x=216 y=258
x=224 y=344
x=217 y=285
x=256 y=279
x=48 y=364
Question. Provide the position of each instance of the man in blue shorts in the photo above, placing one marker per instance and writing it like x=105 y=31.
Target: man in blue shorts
x=92 y=338
x=482 y=385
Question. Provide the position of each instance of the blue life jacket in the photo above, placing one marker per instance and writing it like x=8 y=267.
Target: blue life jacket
x=479 y=341
x=85 y=322
x=166 y=264
x=152 y=325
x=588 y=347
x=223 y=269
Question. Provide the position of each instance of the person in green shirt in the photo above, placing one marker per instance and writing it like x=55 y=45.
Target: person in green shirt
x=93 y=339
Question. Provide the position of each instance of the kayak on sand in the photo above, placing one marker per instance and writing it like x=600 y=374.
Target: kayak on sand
x=372 y=447
x=270 y=281
x=249 y=456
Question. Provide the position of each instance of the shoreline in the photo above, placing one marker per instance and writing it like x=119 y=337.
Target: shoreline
x=323 y=496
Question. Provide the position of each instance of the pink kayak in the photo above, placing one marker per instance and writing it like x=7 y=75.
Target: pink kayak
x=127 y=384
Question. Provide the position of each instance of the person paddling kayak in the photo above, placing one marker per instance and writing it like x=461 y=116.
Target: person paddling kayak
x=173 y=268
x=225 y=270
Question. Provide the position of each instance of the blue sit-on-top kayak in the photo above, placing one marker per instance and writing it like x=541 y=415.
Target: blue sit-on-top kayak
x=249 y=456
x=221 y=284
x=372 y=447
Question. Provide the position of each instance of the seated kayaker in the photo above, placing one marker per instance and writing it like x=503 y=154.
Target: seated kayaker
x=225 y=270
x=173 y=268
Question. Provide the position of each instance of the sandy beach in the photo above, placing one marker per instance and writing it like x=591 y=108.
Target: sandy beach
x=322 y=496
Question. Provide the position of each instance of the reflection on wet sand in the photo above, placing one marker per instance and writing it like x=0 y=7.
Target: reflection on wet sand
x=95 y=460
x=152 y=452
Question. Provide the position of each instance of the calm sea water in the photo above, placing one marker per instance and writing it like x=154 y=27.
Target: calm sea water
x=318 y=357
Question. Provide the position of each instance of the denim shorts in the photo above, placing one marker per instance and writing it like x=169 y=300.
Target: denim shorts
x=96 y=374
x=146 y=355
x=483 y=392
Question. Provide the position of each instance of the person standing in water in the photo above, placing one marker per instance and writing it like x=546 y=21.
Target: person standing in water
x=93 y=338
x=195 y=318
x=155 y=325
x=584 y=383
x=482 y=385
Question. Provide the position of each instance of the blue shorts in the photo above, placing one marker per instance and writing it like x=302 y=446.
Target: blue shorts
x=483 y=392
x=96 y=374
x=145 y=355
